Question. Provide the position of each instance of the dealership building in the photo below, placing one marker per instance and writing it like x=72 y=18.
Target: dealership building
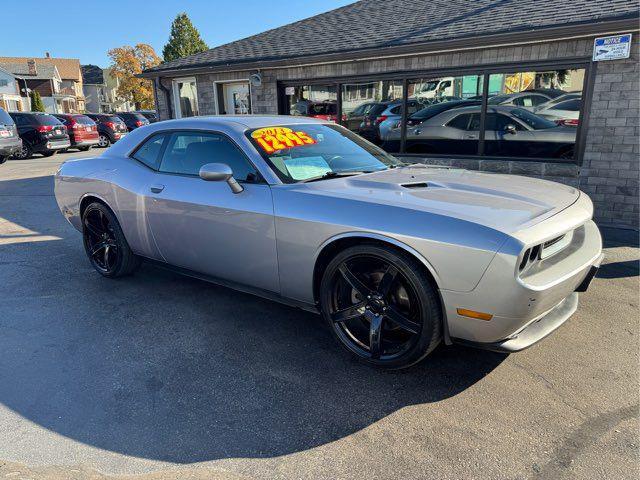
x=544 y=89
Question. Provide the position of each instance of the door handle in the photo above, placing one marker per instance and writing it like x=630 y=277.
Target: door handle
x=157 y=188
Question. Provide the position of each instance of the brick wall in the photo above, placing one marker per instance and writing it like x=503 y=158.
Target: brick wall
x=609 y=173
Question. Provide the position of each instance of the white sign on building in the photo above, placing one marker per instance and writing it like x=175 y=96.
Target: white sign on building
x=611 y=48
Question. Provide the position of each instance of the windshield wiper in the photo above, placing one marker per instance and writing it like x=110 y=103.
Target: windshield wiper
x=334 y=175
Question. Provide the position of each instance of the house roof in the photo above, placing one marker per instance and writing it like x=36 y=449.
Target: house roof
x=92 y=75
x=69 y=68
x=44 y=72
x=377 y=24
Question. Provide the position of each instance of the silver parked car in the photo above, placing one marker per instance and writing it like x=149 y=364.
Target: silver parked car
x=397 y=258
x=510 y=131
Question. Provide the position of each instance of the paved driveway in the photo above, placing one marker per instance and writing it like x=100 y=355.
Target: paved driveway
x=158 y=375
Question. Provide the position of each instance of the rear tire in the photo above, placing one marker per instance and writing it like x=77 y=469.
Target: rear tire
x=3 y=159
x=105 y=243
x=392 y=317
x=24 y=153
x=104 y=141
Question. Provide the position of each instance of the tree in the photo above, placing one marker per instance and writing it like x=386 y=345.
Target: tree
x=36 y=102
x=128 y=62
x=184 y=39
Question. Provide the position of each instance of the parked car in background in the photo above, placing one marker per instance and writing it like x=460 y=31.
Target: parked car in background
x=111 y=128
x=391 y=138
x=526 y=99
x=509 y=131
x=83 y=131
x=133 y=120
x=10 y=142
x=150 y=115
x=40 y=133
x=326 y=110
x=391 y=115
x=362 y=120
x=564 y=110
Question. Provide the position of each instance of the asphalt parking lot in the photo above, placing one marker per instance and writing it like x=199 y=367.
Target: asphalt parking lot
x=161 y=376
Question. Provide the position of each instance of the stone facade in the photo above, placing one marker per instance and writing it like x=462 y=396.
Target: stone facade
x=609 y=172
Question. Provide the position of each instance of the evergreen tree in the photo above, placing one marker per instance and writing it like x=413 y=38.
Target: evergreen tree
x=36 y=102
x=184 y=39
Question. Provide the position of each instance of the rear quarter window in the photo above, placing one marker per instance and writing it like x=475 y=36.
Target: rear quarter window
x=5 y=118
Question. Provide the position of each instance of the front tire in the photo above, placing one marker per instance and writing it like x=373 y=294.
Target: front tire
x=381 y=306
x=105 y=243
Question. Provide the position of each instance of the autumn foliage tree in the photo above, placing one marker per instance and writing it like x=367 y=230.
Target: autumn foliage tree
x=184 y=39
x=127 y=62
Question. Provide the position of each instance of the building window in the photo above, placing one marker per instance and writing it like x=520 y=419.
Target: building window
x=370 y=109
x=525 y=113
x=317 y=101
x=232 y=98
x=185 y=95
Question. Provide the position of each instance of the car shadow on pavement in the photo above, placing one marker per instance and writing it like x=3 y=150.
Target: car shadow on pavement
x=166 y=367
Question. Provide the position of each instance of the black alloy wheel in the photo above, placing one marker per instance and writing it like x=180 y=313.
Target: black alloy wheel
x=24 y=153
x=381 y=306
x=104 y=242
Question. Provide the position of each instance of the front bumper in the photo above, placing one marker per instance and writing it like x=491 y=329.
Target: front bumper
x=542 y=326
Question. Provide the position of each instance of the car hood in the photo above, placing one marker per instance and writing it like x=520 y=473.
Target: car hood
x=503 y=202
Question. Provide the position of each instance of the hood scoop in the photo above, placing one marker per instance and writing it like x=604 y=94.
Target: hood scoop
x=415 y=185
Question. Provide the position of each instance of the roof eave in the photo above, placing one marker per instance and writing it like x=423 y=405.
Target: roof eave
x=629 y=23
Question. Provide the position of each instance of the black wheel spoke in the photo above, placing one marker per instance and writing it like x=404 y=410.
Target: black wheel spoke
x=375 y=334
x=97 y=247
x=352 y=311
x=107 y=249
x=91 y=228
x=399 y=319
x=357 y=285
x=387 y=280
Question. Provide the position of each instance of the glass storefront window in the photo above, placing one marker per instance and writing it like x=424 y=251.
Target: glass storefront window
x=447 y=109
x=369 y=109
x=316 y=101
x=185 y=97
x=534 y=113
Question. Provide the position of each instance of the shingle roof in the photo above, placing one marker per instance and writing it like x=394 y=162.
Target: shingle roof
x=69 y=68
x=92 y=75
x=43 y=72
x=388 y=23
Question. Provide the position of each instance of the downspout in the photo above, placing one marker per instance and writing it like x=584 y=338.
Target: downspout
x=167 y=94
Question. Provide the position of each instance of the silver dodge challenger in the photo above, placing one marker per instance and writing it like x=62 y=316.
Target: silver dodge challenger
x=396 y=257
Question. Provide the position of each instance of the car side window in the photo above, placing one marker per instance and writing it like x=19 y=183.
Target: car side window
x=186 y=152
x=501 y=122
x=461 y=122
x=149 y=152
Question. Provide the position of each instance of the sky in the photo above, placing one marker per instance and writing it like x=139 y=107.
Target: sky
x=91 y=29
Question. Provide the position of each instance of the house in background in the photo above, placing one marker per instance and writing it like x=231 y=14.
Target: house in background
x=44 y=79
x=101 y=91
x=69 y=97
x=10 y=98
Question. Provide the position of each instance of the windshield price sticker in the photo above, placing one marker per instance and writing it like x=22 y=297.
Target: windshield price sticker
x=272 y=139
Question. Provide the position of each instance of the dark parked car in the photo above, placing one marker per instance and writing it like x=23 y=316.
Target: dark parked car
x=326 y=110
x=149 y=115
x=83 y=132
x=10 y=141
x=133 y=120
x=365 y=119
x=111 y=128
x=40 y=133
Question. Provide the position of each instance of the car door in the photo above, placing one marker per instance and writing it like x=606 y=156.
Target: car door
x=205 y=227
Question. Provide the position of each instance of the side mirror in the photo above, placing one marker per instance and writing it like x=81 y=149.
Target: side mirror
x=220 y=172
x=510 y=129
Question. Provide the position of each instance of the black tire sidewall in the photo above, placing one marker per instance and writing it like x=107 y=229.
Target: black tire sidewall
x=430 y=307
x=127 y=260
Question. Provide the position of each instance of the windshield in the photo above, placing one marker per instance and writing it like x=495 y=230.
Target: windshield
x=300 y=152
x=5 y=119
x=534 y=121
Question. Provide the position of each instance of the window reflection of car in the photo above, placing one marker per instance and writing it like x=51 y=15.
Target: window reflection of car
x=509 y=131
x=326 y=110
x=362 y=119
x=564 y=110
x=527 y=99
x=392 y=135
x=434 y=88
x=392 y=115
